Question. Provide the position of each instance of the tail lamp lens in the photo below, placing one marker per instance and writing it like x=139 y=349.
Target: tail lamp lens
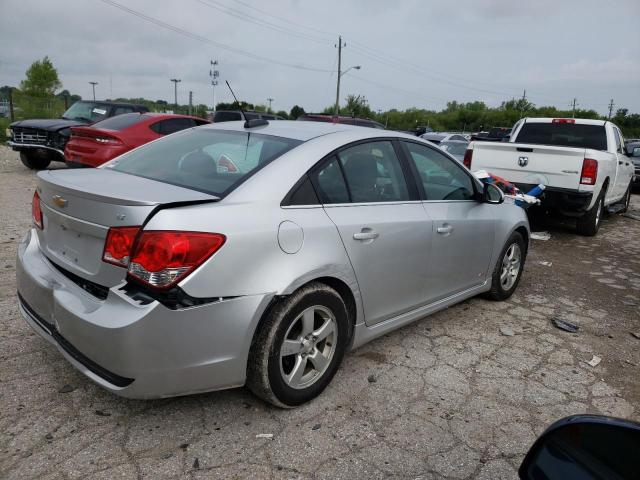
x=117 y=247
x=163 y=258
x=589 y=173
x=467 y=158
x=36 y=211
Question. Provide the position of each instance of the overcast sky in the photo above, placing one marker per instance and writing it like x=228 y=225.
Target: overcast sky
x=413 y=53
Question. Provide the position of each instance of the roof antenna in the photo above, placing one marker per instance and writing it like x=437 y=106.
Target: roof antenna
x=256 y=122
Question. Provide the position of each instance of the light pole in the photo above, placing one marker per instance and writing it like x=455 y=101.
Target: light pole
x=93 y=86
x=175 y=91
x=269 y=100
x=214 y=74
x=340 y=74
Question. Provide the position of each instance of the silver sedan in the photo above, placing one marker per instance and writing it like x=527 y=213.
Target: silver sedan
x=235 y=254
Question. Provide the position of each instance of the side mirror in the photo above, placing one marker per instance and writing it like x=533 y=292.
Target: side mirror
x=492 y=194
x=589 y=447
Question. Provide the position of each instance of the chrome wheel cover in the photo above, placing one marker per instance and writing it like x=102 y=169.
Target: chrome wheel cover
x=308 y=347
x=511 y=263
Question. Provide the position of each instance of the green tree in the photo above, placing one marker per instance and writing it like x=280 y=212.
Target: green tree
x=296 y=111
x=283 y=114
x=41 y=79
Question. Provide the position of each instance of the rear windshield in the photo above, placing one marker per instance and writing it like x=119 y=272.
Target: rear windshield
x=120 y=122
x=210 y=161
x=564 y=135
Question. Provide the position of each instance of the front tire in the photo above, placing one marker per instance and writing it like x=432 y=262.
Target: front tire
x=589 y=224
x=299 y=346
x=626 y=200
x=508 y=269
x=34 y=161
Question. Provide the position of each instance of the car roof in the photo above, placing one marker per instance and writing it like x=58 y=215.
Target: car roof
x=577 y=121
x=305 y=130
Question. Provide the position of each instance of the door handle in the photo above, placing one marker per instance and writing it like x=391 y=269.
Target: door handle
x=445 y=229
x=619 y=162
x=366 y=236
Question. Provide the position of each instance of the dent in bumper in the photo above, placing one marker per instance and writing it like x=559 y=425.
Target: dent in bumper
x=165 y=352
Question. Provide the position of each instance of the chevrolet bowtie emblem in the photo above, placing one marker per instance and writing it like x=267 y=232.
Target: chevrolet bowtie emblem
x=59 y=201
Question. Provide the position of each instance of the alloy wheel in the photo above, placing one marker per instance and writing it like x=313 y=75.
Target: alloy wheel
x=511 y=263
x=308 y=347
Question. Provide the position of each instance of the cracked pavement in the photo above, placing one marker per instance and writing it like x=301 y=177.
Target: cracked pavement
x=449 y=396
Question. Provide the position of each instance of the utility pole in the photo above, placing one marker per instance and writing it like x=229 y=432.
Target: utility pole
x=269 y=100
x=611 y=105
x=214 y=74
x=190 y=102
x=337 y=109
x=573 y=114
x=93 y=86
x=175 y=91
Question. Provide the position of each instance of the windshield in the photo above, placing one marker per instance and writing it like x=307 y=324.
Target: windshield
x=564 y=135
x=87 y=112
x=454 y=148
x=210 y=161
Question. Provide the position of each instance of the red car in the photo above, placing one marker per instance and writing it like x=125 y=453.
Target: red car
x=91 y=146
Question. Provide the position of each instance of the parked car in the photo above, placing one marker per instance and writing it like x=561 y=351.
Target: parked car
x=42 y=141
x=91 y=146
x=163 y=273
x=496 y=134
x=437 y=137
x=582 y=163
x=321 y=117
x=633 y=149
x=238 y=115
x=455 y=148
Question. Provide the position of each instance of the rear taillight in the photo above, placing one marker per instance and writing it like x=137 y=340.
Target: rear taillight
x=467 y=158
x=118 y=245
x=108 y=140
x=36 y=211
x=162 y=258
x=589 y=173
x=98 y=136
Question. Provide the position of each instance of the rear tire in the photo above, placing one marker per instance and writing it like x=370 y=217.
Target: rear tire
x=285 y=367
x=34 y=161
x=589 y=224
x=508 y=269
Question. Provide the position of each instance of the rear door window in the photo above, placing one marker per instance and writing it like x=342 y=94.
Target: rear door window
x=373 y=173
x=564 y=135
x=227 y=116
x=329 y=182
x=121 y=110
x=172 y=125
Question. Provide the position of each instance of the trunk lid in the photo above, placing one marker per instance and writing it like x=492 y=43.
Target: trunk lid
x=531 y=164
x=79 y=206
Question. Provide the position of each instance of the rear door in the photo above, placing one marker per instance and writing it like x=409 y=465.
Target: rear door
x=464 y=229
x=383 y=226
x=622 y=166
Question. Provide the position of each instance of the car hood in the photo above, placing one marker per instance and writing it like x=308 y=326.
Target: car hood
x=51 y=125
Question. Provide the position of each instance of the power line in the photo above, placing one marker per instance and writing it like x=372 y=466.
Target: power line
x=202 y=39
x=262 y=23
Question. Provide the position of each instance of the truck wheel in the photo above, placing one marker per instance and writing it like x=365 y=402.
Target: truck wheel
x=589 y=224
x=299 y=346
x=508 y=269
x=626 y=200
x=34 y=161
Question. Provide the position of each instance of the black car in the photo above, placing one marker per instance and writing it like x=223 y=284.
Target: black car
x=236 y=115
x=41 y=141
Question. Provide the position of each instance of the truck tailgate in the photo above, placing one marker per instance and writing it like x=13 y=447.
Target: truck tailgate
x=530 y=164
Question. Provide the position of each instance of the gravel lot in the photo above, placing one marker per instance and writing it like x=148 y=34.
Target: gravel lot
x=450 y=396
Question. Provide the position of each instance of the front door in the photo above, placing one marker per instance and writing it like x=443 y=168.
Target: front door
x=464 y=233
x=386 y=233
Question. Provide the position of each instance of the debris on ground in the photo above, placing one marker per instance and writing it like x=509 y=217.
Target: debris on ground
x=564 y=325
x=316 y=427
x=633 y=216
x=540 y=236
x=546 y=264
x=636 y=335
x=506 y=331
x=629 y=303
x=102 y=413
x=264 y=435
x=196 y=464
x=372 y=378
x=595 y=361
x=66 y=389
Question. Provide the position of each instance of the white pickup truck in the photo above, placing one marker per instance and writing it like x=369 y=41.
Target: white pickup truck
x=582 y=163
